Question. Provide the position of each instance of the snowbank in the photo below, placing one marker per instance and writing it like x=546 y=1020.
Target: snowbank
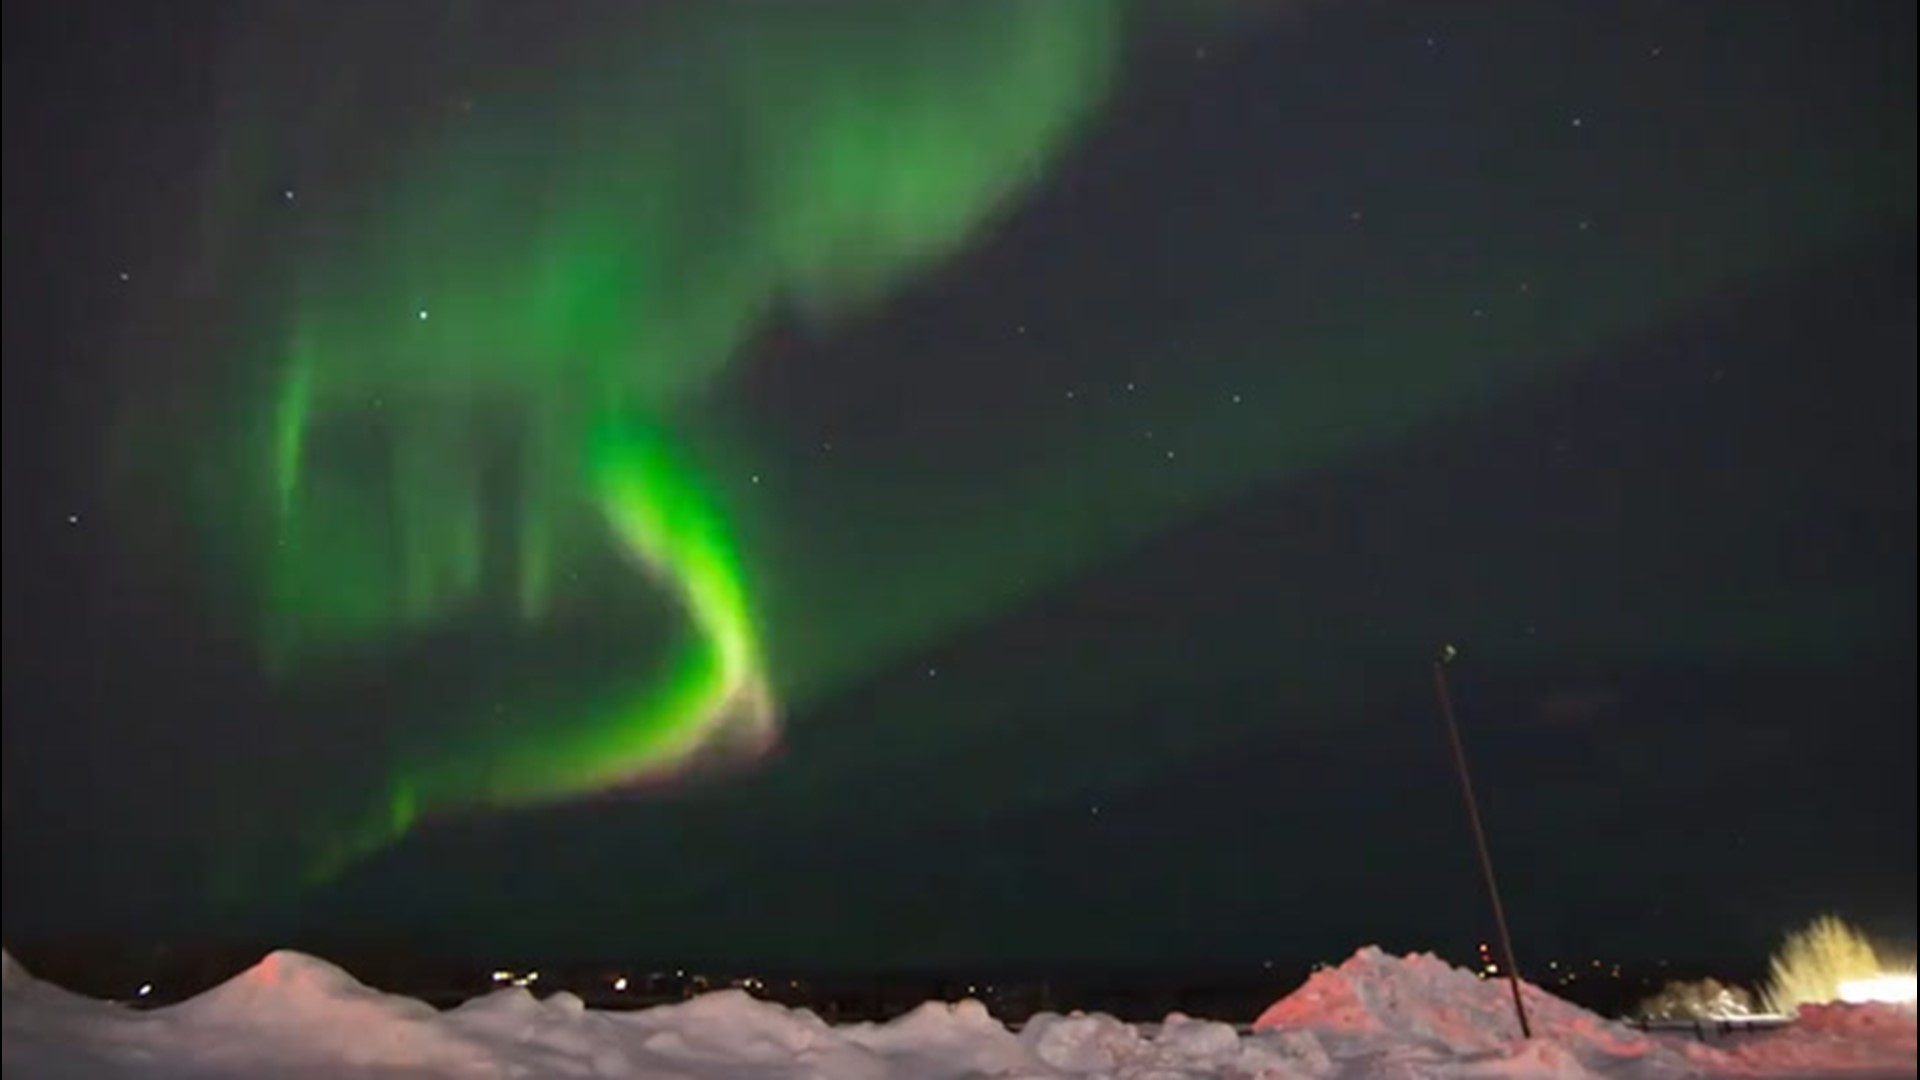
x=1421 y=1002
x=1375 y=1016
x=1874 y=1039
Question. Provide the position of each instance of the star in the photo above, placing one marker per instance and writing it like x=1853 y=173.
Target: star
x=286 y=194
x=1236 y=399
x=422 y=313
x=73 y=519
x=124 y=276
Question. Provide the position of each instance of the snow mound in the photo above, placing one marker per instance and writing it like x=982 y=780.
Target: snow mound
x=1876 y=1020
x=311 y=1010
x=1083 y=1043
x=1872 y=1038
x=732 y=1023
x=23 y=990
x=939 y=1039
x=1420 y=1000
x=12 y=975
x=290 y=986
x=1375 y=1017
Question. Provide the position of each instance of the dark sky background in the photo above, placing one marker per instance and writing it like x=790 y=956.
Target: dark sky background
x=1677 y=553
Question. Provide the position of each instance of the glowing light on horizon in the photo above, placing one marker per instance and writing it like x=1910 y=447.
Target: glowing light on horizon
x=1890 y=989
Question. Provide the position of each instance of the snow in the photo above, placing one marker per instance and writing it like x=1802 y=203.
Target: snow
x=1833 y=1038
x=1420 y=1001
x=1375 y=1016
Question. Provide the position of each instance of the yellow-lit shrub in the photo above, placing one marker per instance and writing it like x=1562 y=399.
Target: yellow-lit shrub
x=1810 y=965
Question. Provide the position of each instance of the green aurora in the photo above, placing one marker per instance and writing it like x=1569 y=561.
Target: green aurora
x=578 y=282
x=536 y=305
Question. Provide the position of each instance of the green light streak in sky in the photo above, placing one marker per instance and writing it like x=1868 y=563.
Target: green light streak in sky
x=517 y=304
x=653 y=503
x=573 y=265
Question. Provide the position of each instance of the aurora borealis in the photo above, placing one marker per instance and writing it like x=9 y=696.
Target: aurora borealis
x=575 y=272
x=697 y=452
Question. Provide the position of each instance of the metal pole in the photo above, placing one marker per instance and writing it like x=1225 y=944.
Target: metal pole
x=1479 y=835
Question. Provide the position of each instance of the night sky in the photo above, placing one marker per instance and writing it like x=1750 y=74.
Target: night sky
x=880 y=485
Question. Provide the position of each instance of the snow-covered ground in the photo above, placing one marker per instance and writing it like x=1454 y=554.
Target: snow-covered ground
x=1376 y=1016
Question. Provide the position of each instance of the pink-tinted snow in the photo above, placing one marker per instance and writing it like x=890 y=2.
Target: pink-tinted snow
x=1872 y=1040
x=1376 y=1016
x=1422 y=999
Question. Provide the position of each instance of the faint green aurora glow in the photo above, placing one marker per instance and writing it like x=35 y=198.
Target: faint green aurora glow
x=574 y=281
x=592 y=253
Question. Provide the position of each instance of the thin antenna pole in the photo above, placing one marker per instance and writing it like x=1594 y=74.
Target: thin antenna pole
x=1479 y=836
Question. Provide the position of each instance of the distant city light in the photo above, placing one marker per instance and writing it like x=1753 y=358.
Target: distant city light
x=147 y=988
x=502 y=976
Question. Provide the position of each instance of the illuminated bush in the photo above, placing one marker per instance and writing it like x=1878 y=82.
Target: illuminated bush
x=1708 y=999
x=1811 y=964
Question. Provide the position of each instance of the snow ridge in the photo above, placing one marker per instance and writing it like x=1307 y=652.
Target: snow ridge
x=1375 y=1016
